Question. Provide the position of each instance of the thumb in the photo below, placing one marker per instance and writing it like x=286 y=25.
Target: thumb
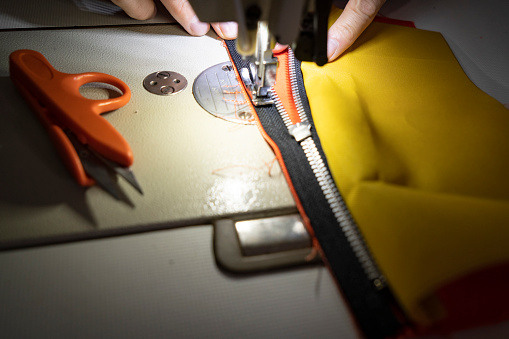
x=357 y=15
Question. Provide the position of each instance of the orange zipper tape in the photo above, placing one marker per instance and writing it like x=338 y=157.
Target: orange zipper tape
x=283 y=89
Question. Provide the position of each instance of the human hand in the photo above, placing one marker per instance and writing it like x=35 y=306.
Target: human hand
x=356 y=16
x=182 y=11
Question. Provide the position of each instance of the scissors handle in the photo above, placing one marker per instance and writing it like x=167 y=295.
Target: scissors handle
x=58 y=93
x=62 y=143
x=75 y=81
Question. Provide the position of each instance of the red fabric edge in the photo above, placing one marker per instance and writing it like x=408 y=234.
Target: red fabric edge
x=474 y=300
x=386 y=20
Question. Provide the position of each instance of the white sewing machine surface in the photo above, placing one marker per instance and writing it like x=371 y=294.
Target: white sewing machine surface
x=192 y=166
x=136 y=276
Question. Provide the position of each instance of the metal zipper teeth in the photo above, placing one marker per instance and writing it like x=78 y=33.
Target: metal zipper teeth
x=327 y=184
x=280 y=108
x=294 y=87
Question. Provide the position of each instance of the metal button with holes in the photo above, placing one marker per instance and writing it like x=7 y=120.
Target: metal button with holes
x=165 y=83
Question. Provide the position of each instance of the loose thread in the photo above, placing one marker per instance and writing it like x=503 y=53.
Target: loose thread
x=235 y=127
x=312 y=255
x=315 y=249
x=269 y=165
x=236 y=102
x=235 y=90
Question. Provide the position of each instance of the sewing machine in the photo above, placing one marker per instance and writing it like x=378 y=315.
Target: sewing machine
x=302 y=24
x=77 y=263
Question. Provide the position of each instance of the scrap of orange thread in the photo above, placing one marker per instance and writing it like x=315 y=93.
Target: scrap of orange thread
x=269 y=166
x=235 y=127
x=235 y=101
x=315 y=252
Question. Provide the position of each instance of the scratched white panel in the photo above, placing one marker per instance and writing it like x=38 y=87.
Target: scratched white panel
x=160 y=285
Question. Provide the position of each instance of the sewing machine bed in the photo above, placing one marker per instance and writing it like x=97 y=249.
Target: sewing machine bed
x=192 y=166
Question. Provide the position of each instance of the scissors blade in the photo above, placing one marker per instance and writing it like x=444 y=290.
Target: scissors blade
x=124 y=172
x=94 y=167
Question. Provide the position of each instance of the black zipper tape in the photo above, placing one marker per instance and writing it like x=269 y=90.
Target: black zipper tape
x=374 y=310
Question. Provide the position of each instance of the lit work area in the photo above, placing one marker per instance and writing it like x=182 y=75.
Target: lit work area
x=162 y=184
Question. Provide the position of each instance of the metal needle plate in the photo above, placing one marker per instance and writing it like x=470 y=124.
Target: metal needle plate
x=165 y=83
x=217 y=90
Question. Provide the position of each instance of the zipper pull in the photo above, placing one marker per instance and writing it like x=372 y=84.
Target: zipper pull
x=300 y=130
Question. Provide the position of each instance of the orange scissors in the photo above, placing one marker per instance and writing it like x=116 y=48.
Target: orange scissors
x=89 y=145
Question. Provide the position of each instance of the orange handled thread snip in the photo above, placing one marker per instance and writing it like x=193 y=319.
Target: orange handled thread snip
x=89 y=145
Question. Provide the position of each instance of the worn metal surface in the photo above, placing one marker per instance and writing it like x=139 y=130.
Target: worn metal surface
x=217 y=90
x=272 y=235
x=165 y=83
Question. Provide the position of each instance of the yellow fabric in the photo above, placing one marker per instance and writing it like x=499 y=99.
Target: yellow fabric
x=421 y=156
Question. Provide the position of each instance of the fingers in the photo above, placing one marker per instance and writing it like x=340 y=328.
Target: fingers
x=226 y=30
x=182 y=11
x=137 y=9
x=356 y=16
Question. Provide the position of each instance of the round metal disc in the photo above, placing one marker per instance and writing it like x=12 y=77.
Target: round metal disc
x=217 y=90
x=165 y=83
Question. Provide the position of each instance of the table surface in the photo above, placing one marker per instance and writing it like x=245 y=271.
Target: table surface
x=149 y=278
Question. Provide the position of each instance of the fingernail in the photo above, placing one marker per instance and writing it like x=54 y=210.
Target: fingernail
x=332 y=49
x=229 y=29
x=196 y=27
x=279 y=48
